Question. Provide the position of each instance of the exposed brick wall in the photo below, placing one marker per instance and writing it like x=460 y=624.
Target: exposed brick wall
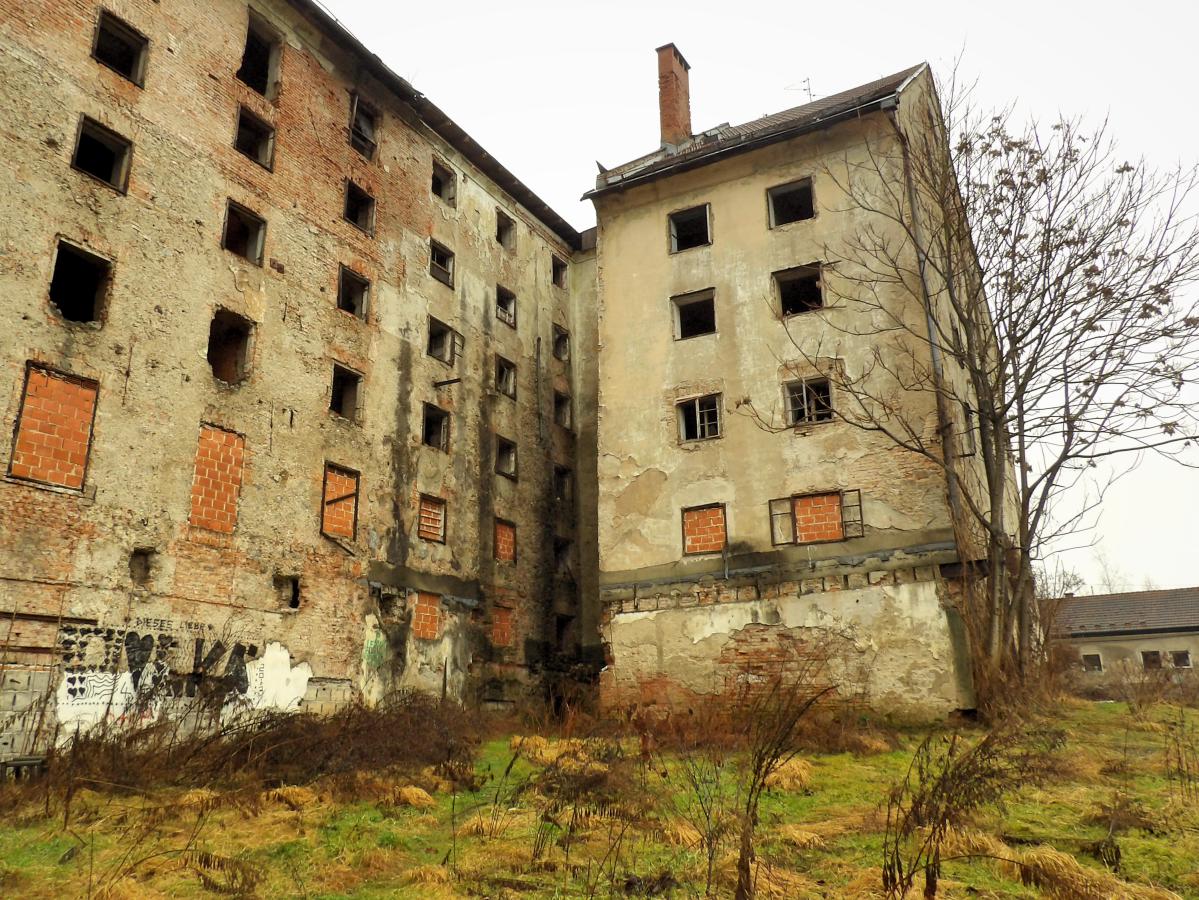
x=216 y=485
x=505 y=541
x=431 y=519
x=704 y=530
x=339 y=516
x=55 y=431
x=426 y=617
x=501 y=627
x=818 y=518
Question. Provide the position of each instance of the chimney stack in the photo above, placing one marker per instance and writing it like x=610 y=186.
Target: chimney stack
x=674 y=95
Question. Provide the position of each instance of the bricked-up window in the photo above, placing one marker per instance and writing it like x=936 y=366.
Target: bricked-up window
x=79 y=283
x=287 y=588
x=441 y=263
x=444 y=342
x=364 y=122
x=345 y=396
x=359 y=208
x=505 y=540
x=260 y=59
x=339 y=508
x=562 y=411
x=229 y=346
x=1092 y=662
x=54 y=428
x=353 y=292
x=694 y=314
x=216 y=485
x=121 y=47
x=1151 y=659
x=436 y=428
x=501 y=627
x=704 y=529
x=563 y=484
x=430 y=519
x=689 y=228
x=1180 y=659
x=505 y=377
x=809 y=401
x=505 y=305
x=799 y=290
x=444 y=185
x=103 y=154
x=505 y=457
x=699 y=418
x=244 y=234
x=561 y=343
x=557 y=271
x=426 y=616
x=816 y=518
x=505 y=230
x=790 y=202
x=255 y=138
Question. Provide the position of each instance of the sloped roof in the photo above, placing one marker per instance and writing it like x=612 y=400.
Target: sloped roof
x=1133 y=612
x=727 y=138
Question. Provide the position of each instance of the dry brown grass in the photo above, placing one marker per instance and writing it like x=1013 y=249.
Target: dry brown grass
x=801 y=838
x=413 y=796
x=794 y=775
x=293 y=797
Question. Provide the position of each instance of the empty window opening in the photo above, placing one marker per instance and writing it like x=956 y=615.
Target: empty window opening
x=141 y=565
x=103 y=154
x=436 y=428
x=699 y=419
x=1092 y=662
x=558 y=271
x=441 y=263
x=562 y=414
x=443 y=184
x=259 y=60
x=121 y=48
x=229 y=346
x=791 y=202
x=364 y=121
x=244 y=233
x=562 y=555
x=1180 y=659
x=1151 y=659
x=255 y=138
x=505 y=377
x=968 y=445
x=353 y=292
x=561 y=343
x=799 y=290
x=444 y=342
x=694 y=314
x=505 y=457
x=79 y=283
x=360 y=207
x=809 y=402
x=430 y=524
x=344 y=398
x=288 y=589
x=689 y=228
x=505 y=230
x=816 y=518
x=505 y=305
x=563 y=484
x=704 y=529
x=505 y=540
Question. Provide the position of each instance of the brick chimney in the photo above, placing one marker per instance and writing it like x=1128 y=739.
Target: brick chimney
x=674 y=95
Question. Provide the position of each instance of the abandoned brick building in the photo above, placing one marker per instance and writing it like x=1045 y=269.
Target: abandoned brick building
x=304 y=397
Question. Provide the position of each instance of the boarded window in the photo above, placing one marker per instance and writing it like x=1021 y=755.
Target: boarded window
x=1092 y=662
x=699 y=418
x=54 y=428
x=505 y=540
x=505 y=377
x=816 y=518
x=79 y=283
x=245 y=233
x=121 y=47
x=694 y=314
x=430 y=524
x=791 y=202
x=436 y=428
x=339 y=510
x=689 y=228
x=364 y=122
x=799 y=290
x=441 y=263
x=704 y=529
x=353 y=292
x=444 y=342
x=809 y=401
x=103 y=154
x=255 y=138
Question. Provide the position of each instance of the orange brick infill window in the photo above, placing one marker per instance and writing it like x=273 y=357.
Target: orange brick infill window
x=505 y=541
x=426 y=617
x=54 y=428
x=430 y=523
x=220 y=460
x=817 y=518
x=501 y=627
x=339 y=506
x=704 y=530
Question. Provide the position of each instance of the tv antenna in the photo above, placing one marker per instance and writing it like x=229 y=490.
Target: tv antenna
x=805 y=86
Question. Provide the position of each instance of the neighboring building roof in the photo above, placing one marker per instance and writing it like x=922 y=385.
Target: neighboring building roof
x=1134 y=612
x=727 y=139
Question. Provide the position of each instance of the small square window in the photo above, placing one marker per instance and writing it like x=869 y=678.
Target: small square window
x=121 y=47
x=689 y=228
x=799 y=290
x=229 y=346
x=1180 y=659
x=444 y=184
x=505 y=230
x=436 y=428
x=562 y=414
x=431 y=519
x=444 y=342
x=505 y=305
x=344 y=396
x=79 y=283
x=561 y=343
x=364 y=121
x=359 y=208
x=1151 y=659
x=791 y=202
x=353 y=292
x=244 y=233
x=699 y=418
x=694 y=314
x=441 y=263
x=505 y=457
x=505 y=377
x=1092 y=662
x=809 y=402
x=103 y=154
x=704 y=530
x=255 y=138
x=558 y=271
x=563 y=484
x=260 y=59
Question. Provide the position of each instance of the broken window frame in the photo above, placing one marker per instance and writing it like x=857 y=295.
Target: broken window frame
x=1087 y=665
x=505 y=305
x=703 y=507
x=505 y=371
x=355 y=191
x=449 y=179
x=503 y=445
x=263 y=126
x=103 y=287
x=122 y=30
x=52 y=372
x=267 y=34
x=692 y=298
x=560 y=343
x=1176 y=655
x=443 y=442
x=781 y=189
x=232 y=206
x=563 y=401
x=366 y=144
x=452 y=340
x=347 y=276
x=1154 y=656
x=443 y=273
x=354 y=415
x=123 y=152
x=559 y=271
x=672 y=230
x=812 y=409
x=244 y=363
x=325 y=504
x=797 y=273
x=852 y=522
x=505 y=230
x=709 y=422
x=442 y=506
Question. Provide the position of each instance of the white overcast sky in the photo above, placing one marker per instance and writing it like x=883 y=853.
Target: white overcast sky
x=548 y=88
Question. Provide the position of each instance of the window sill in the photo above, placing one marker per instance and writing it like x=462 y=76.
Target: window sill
x=87 y=493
